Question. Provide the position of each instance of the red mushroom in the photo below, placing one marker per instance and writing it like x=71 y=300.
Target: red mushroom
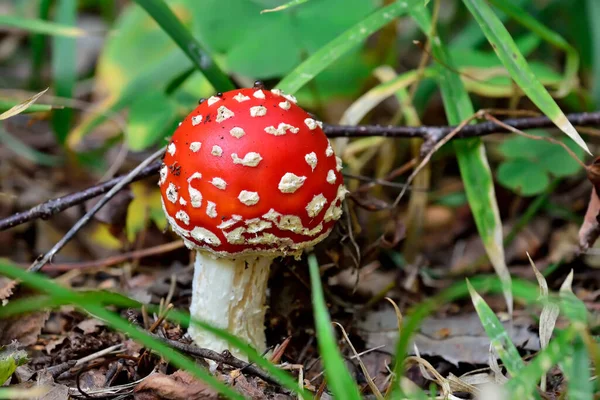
x=248 y=176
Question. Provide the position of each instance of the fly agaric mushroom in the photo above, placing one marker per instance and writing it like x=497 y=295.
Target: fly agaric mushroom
x=247 y=177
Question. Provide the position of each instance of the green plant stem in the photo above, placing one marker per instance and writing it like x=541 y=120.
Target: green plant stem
x=169 y=22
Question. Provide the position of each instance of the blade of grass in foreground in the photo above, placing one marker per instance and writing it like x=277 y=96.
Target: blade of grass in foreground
x=577 y=371
x=572 y=57
x=63 y=296
x=285 y=6
x=472 y=160
x=339 y=380
x=40 y=26
x=168 y=21
x=500 y=339
x=517 y=66
x=342 y=44
x=64 y=68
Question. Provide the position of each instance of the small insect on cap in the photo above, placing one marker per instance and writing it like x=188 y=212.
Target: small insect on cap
x=250 y=172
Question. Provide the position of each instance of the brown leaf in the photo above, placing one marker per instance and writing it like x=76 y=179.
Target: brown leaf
x=590 y=229
x=23 y=328
x=178 y=386
x=6 y=287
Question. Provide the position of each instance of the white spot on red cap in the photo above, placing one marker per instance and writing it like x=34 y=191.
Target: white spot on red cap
x=258 y=111
x=183 y=217
x=240 y=97
x=195 y=195
x=164 y=170
x=276 y=92
x=285 y=105
x=290 y=98
x=219 y=183
x=216 y=151
x=338 y=164
x=182 y=201
x=171 y=193
x=250 y=159
x=311 y=123
x=235 y=236
x=311 y=159
x=204 y=235
x=256 y=225
x=171 y=149
x=212 y=100
x=331 y=176
x=289 y=182
x=211 y=209
x=230 y=222
x=329 y=150
x=281 y=129
x=259 y=94
x=315 y=206
x=196 y=119
x=195 y=146
x=271 y=215
x=223 y=113
x=237 y=132
x=248 y=198
x=320 y=124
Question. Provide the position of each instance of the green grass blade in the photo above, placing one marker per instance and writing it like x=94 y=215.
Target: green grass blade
x=6 y=105
x=339 y=380
x=27 y=152
x=168 y=21
x=64 y=67
x=63 y=296
x=523 y=384
x=472 y=160
x=290 y=4
x=572 y=57
x=500 y=339
x=342 y=44
x=40 y=26
x=517 y=66
x=577 y=371
x=38 y=47
x=593 y=14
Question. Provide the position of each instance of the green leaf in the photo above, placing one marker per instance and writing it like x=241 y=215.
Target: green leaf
x=500 y=339
x=339 y=380
x=529 y=158
x=472 y=160
x=10 y=358
x=517 y=66
x=523 y=176
x=64 y=68
x=40 y=26
x=203 y=61
x=343 y=43
x=149 y=117
x=593 y=15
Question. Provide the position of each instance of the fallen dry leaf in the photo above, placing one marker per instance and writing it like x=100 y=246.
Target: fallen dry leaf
x=6 y=287
x=178 y=386
x=23 y=328
x=460 y=338
x=590 y=229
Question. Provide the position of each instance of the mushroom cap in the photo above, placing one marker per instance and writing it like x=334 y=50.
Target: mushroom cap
x=250 y=172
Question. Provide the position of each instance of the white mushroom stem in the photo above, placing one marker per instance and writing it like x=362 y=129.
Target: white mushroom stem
x=230 y=294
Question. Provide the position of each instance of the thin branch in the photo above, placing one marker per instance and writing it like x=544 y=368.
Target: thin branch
x=431 y=134
x=41 y=261
x=226 y=358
